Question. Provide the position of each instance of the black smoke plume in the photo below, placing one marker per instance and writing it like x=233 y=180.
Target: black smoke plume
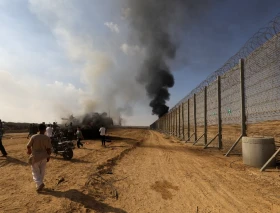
x=158 y=24
x=157 y=82
x=95 y=120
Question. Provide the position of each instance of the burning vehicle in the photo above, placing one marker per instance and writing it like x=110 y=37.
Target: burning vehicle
x=89 y=123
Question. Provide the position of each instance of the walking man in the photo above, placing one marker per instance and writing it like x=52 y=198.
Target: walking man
x=79 y=137
x=39 y=149
x=102 y=131
x=2 y=148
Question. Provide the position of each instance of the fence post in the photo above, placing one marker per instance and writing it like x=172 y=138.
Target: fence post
x=188 y=118
x=242 y=92
x=170 y=129
x=219 y=115
x=242 y=97
x=205 y=115
x=174 y=127
x=165 y=122
x=177 y=126
x=171 y=117
x=183 y=122
x=167 y=129
x=171 y=126
x=162 y=124
x=178 y=122
x=194 y=116
x=179 y=115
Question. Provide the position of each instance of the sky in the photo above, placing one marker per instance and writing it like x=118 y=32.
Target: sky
x=63 y=57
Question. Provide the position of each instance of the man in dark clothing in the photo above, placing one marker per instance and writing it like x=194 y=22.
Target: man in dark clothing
x=54 y=126
x=34 y=129
x=30 y=130
x=2 y=148
x=79 y=137
x=70 y=131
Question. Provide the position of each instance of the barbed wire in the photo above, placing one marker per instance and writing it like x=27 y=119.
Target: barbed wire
x=262 y=83
x=251 y=47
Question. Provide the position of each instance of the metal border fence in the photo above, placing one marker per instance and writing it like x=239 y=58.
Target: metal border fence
x=245 y=90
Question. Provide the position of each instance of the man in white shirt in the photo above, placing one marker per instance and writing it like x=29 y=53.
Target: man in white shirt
x=39 y=147
x=49 y=131
x=102 y=131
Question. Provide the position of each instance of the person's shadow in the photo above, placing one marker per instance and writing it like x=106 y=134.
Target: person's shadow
x=86 y=200
x=10 y=160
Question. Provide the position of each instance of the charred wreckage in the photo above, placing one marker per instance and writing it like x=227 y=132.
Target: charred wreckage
x=64 y=134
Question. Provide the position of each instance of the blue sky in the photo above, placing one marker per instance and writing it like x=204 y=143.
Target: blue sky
x=63 y=57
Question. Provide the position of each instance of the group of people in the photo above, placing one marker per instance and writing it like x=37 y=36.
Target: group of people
x=33 y=129
x=39 y=150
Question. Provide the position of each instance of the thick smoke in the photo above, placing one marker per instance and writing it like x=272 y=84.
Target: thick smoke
x=157 y=81
x=158 y=24
x=89 y=120
x=107 y=77
x=90 y=123
x=95 y=120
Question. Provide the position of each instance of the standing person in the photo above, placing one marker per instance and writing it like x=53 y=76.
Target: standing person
x=102 y=131
x=49 y=131
x=39 y=149
x=79 y=137
x=54 y=126
x=70 y=131
x=2 y=148
x=34 y=129
x=30 y=131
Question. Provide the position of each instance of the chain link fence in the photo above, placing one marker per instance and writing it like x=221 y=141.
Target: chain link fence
x=241 y=98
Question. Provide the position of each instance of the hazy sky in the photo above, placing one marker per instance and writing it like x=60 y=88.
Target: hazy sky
x=61 y=57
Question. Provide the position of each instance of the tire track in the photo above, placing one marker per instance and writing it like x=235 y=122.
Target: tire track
x=204 y=180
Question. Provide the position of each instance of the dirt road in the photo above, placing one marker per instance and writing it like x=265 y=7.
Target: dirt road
x=164 y=176
x=150 y=172
x=17 y=189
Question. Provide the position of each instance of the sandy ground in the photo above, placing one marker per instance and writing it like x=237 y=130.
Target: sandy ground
x=146 y=170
